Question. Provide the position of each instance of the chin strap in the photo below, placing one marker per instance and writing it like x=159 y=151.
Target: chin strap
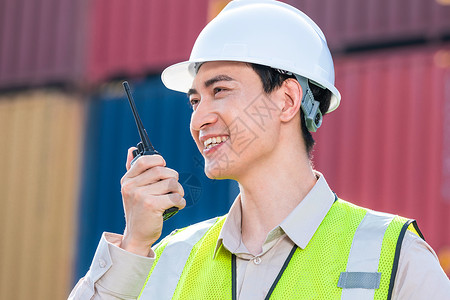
x=310 y=106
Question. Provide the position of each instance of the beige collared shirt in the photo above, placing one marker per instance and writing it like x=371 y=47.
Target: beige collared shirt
x=307 y=215
x=117 y=274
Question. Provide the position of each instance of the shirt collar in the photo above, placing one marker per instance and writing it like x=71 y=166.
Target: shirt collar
x=230 y=234
x=300 y=225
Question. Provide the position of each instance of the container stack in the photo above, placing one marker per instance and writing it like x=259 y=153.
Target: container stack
x=66 y=126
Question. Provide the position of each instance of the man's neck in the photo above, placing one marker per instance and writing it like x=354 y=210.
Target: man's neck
x=269 y=194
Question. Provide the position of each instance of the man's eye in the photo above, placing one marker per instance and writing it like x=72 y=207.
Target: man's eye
x=194 y=102
x=218 y=90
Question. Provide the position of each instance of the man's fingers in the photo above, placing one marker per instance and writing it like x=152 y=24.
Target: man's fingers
x=155 y=174
x=129 y=157
x=150 y=176
x=144 y=163
x=168 y=201
x=177 y=200
x=163 y=187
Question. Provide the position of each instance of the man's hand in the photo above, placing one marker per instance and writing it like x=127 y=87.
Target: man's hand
x=148 y=189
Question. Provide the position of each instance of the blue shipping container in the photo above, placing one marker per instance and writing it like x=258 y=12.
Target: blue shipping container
x=110 y=131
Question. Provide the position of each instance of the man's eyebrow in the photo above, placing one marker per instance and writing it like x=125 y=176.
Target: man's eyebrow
x=191 y=91
x=217 y=78
x=210 y=82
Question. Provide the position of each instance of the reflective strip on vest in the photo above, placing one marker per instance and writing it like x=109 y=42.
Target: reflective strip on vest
x=166 y=274
x=361 y=277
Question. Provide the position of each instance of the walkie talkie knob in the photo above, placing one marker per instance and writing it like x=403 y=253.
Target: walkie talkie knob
x=140 y=147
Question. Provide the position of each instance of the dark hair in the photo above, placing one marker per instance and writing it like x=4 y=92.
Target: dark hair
x=272 y=79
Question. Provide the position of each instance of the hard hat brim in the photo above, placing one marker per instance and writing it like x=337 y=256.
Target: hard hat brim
x=179 y=77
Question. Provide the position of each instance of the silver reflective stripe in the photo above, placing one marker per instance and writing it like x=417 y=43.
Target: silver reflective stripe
x=362 y=280
x=364 y=256
x=164 y=278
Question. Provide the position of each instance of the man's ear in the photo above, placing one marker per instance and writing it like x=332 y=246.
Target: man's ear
x=292 y=96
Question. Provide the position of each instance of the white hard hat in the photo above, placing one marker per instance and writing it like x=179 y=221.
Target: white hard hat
x=264 y=32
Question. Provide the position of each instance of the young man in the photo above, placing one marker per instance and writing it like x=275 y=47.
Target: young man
x=259 y=78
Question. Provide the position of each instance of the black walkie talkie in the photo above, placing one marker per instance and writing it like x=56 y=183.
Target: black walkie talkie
x=145 y=147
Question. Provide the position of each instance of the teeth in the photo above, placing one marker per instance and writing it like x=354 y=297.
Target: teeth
x=207 y=142
x=211 y=142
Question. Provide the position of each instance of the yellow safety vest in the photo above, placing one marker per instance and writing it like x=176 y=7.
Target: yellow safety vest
x=353 y=255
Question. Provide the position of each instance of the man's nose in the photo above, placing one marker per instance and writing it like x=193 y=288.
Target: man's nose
x=203 y=115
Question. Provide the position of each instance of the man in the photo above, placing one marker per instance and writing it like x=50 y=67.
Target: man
x=287 y=235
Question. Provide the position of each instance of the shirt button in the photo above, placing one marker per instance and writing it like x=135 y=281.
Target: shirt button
x=257 y=260
x=102 y=263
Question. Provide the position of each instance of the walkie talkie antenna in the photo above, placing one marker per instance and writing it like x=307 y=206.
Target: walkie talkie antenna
x=144 y=147
x=142 y=132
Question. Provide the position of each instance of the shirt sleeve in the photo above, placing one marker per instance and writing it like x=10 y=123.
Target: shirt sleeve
x=114 y=272
x=419 y=275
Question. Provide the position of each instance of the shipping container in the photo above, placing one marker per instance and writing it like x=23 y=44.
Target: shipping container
x=40 y=134
x=74 y=42
x=355 y=24
x=110 y=131
x=140 y=37
x=41 y=42
x=387 y=146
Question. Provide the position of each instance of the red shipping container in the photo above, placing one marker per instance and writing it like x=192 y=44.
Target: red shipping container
x=48 y=41
x=355 y=23
x=41 y=42
x=387 y=147
x=137 y=37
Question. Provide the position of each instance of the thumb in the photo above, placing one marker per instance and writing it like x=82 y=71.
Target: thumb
x=130 y=157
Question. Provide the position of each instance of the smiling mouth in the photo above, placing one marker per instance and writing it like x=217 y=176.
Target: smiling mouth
x=211 y=142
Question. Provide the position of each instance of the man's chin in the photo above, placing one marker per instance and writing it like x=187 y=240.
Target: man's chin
x=216 y=173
